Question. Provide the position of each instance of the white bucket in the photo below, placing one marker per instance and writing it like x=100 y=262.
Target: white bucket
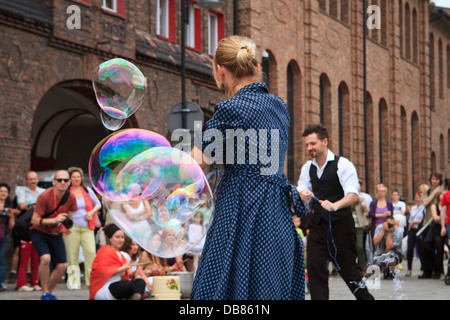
x=166 y=288
x=186 y=281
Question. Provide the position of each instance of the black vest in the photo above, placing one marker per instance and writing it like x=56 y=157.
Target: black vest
x=328 y=188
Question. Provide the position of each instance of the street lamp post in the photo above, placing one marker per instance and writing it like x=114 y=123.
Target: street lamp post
x=204 y=4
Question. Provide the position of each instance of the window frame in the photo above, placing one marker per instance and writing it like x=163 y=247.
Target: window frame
x=194 y=30
x=112 y=10
x=220 y=30
x=170 y=35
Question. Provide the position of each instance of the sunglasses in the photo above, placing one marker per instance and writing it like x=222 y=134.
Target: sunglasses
x=61 y=180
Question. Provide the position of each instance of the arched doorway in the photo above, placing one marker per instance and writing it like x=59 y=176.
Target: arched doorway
x=66 y=127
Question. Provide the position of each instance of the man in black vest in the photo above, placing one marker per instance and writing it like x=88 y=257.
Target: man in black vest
x=330 y=182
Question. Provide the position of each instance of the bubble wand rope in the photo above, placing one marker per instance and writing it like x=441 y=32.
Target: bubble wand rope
x=330 y=234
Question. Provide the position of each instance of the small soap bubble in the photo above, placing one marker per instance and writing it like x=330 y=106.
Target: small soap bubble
x=120 y=88
x=111 y=123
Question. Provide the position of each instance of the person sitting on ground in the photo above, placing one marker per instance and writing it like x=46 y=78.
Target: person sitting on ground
x=109 y=276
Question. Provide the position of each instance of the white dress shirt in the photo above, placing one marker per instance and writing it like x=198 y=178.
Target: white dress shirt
x=346 y=172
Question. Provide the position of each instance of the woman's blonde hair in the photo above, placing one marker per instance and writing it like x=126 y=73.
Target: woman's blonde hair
x=238 y=55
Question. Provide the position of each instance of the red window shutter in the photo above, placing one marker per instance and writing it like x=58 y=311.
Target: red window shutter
x=85 y=2
x=221 y=26
x=198 y=29
x=172 y=21
x=121 y=8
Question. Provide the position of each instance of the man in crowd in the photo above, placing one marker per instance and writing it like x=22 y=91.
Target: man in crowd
x=333 y=181
x=53 y=207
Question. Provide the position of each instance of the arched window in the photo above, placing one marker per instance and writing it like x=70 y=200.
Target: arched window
x=404 y=150
x=323 y=5
x=400 y=19
x=384 y=22
x=375 y=31
x=344 y=120
x=334 y=8
x=269 y=68
x=432 y=73
x=293 y=103
x=383 y=134
x=441 y=152
x=433 y=161
x=448 y=66
x=415 y=152
x=325 y=105
x=441 y=68
x=407 y=32
x=415 y=37
x=345 y=11
x=370 y=127
x=448 y=145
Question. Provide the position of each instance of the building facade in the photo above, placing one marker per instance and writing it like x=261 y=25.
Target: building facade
x=318 y=55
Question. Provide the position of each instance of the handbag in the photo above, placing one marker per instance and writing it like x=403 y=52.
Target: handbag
x=428 y=237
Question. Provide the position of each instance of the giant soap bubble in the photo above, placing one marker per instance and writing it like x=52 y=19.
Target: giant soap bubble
x=120 y=88
x=174 y=195
x=116 y=148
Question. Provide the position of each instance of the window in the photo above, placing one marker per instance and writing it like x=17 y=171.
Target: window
x=114 y=7
x=162 y=18
x=194 y=29
x=110 y=5
x=165 y=19
x=215 y=30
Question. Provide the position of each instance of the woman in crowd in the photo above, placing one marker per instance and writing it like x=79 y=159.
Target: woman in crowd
x=380 y=208
x=6 y=223
x=110 y=278
x=82 y=232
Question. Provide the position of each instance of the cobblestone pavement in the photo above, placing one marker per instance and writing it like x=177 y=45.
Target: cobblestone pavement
x=410 y=288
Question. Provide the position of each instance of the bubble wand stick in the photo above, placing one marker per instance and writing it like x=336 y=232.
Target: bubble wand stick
x=329 y=235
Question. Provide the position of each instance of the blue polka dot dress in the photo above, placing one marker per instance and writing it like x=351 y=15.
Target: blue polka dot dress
x=252 y=250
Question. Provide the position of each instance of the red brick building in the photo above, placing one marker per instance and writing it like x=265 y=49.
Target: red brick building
x=312 y=52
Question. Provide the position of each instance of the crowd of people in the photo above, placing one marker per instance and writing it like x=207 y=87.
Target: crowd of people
x=383 y=224
x=408 y=229
x=57 y=230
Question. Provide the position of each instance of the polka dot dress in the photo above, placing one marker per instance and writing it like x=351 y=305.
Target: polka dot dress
x=252 y=250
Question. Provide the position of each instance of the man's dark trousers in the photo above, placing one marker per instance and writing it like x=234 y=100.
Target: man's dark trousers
x=344 y=235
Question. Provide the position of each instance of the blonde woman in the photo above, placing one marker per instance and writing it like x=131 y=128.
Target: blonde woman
x=252 y=250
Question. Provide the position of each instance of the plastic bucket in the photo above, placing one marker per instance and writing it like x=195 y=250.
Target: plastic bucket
x=166 y=288
x=186 y=281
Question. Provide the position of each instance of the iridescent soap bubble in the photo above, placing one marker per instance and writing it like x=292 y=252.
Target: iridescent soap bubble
x=120 y=88
x=116 y=148
x=178 y=196
x=165 y=242
x=173 y=182
x=111 y=123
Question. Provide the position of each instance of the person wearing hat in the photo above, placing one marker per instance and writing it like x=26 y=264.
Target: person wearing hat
x=110 y=278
